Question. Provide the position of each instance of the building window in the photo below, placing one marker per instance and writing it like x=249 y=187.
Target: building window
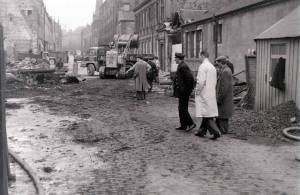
x=157 y=12
x=144 y=19
x=126 y=7
x=218 y=33
x=136 y=24
x=277 y=66
x=162 y=10
x=152 y=11
x=198 y=43
x=193 y=43
x=188 y=43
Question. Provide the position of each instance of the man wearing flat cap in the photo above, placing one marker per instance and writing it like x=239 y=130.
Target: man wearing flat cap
x=224 y=91
x=183 y=87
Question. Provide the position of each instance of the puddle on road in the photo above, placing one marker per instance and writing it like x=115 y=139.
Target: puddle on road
x=37 y=136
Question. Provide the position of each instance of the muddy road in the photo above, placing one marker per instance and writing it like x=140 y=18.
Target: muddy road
x=96 y=138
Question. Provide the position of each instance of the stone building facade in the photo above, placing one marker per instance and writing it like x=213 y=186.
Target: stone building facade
x=72 y=39
x=154 y=26
x=86 y=38
x=110 y=18
x=238 y=24
x=28 y=27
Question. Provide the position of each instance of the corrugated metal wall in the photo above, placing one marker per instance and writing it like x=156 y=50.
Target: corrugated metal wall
x=267 y=96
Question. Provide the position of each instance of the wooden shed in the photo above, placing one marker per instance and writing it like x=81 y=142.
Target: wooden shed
x=281 y=42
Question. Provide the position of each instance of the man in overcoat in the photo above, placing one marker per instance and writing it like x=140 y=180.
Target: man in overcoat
x=140 y=75
x=205 y=97
x=224 y=94
x=183 y=87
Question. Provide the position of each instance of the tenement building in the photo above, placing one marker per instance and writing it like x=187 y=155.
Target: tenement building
x=110 y=18
x=28 y=27
x=86 y=38
x=154 y=24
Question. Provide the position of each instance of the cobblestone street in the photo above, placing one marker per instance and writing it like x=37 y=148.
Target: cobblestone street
x=100 y=140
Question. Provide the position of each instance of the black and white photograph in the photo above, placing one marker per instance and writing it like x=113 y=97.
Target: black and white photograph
x=149 y=97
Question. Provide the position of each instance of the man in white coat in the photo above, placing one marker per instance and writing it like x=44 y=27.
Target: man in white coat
x=205 y=98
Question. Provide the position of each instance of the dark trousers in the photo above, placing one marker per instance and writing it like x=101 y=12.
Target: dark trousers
x=141 y=95
x=150 y=82
x=210 y=125
x=223 y=124
x=183 y=108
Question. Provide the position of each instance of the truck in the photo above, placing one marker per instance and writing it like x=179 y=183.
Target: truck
x=95 y=57
x=120 y=57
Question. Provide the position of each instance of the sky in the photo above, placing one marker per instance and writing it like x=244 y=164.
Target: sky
x=71 y=13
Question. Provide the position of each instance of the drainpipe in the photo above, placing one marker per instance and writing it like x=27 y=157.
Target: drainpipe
x=215 y=33
x=152 y=39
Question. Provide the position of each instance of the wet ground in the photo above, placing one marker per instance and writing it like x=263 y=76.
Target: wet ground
x=95 y=138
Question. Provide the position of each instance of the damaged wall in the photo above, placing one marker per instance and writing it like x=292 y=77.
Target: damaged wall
x=27 y=27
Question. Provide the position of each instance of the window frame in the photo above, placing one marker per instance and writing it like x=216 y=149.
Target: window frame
x=218 y=32
x=277 y=56
x=162 y=10
x=193 y=46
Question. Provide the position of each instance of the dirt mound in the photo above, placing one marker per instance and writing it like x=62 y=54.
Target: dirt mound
x=87 y=132
x=263 y=124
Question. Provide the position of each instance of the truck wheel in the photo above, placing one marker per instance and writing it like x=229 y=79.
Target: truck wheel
x=101 y=75
x=90 y=70
x=102 y=72
x=121 y=74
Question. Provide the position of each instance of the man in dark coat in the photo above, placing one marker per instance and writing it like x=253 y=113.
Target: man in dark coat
x=152 y=73
x=183 y=87
x=224 y=92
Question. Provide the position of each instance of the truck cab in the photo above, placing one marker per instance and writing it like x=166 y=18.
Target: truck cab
x=119 y=58
x=94 y=58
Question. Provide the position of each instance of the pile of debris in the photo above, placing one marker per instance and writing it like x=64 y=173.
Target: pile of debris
x=34 y=71
x=28 y=64
x=268 y=123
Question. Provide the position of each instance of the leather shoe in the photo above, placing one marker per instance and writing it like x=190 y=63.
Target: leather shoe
x=191 y=127
x=200 y=134
x=181 y=128
x=216 y=136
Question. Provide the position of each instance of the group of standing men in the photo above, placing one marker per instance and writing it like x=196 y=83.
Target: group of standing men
x=213 y=95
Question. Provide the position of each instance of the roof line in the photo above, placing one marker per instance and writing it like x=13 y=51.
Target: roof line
x=262 y=3
x=193 y=9
x=288 y=37
x=140 y=5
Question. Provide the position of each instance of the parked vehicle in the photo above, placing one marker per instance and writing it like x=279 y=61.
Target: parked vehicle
x=94 y=59
x=120 y=57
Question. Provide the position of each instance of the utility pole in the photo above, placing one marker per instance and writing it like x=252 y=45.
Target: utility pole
x=3 y=141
